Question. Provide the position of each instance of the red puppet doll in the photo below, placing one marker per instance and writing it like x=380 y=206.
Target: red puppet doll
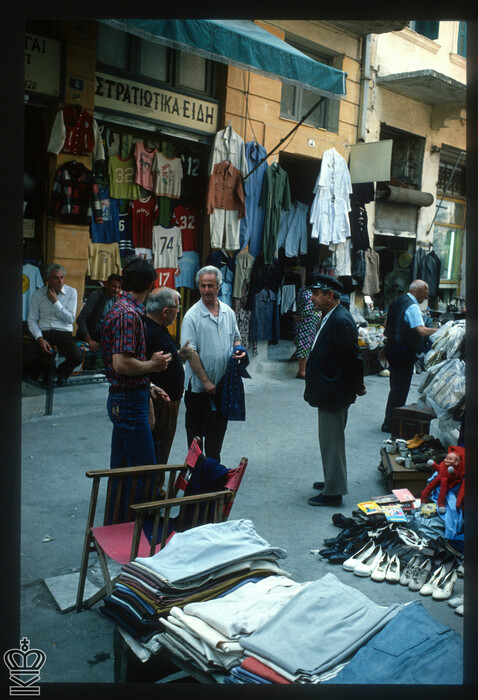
x=450 y=472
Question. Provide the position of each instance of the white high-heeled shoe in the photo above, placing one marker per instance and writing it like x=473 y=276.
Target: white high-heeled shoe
x=366 y=566
x=378 y=574
x=350 y=563
x=444 y=590
x=429 y=587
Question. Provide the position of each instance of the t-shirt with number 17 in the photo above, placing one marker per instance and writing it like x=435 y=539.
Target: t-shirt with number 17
x=167 y=247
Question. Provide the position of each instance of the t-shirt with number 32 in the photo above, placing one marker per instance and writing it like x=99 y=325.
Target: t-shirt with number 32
x=167 y=247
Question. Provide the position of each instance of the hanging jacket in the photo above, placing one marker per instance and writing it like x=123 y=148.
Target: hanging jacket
x=75 y=131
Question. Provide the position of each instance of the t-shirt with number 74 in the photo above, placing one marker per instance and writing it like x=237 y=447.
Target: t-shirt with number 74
x=167 y=247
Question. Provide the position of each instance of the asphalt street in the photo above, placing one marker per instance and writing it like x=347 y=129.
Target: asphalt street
x=279 y=438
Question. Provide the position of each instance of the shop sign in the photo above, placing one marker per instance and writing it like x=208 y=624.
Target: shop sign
x=140 y=99
x=43 y=65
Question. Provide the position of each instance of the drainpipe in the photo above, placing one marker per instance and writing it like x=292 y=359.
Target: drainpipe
x=364 y=88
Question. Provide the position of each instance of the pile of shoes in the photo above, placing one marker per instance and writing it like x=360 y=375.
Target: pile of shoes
x=425 y=447
x=394 y=553
x=435 y=576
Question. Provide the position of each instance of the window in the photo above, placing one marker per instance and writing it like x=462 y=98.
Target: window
x=461 y=48
x=425 y=28
x=113 y=47
x=178 y=69
x=296 y=101
x=448 y=236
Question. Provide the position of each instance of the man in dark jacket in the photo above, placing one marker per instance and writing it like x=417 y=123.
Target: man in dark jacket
x=333 y=380
x=162 y=307
x=404 y=330
x=95 y=309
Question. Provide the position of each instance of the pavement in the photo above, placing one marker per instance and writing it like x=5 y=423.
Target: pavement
x=279 y=438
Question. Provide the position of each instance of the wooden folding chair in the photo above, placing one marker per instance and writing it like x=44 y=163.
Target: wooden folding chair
x=152 y=506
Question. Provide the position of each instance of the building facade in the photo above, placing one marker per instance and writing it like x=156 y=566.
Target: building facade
x=140 y=90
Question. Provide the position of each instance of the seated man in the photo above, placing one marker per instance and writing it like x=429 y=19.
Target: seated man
x=50 y=321
x=96 y=307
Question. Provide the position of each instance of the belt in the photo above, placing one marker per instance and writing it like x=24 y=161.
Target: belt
x=126 y=389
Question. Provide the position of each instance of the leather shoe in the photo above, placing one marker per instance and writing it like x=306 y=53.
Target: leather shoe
x=445 y=588
x=393 y=570
x=420 y=575
x=319 y=485
x=322 y=500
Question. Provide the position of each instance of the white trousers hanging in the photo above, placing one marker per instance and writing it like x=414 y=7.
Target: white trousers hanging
x=224 y=228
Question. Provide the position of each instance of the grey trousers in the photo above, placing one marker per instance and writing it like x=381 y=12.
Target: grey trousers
x=332 y=450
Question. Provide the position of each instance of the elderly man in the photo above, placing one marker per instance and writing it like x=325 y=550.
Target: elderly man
x=405 y=331
x=123 y=348
x=162 y=307
x=333 y=380
x=50 y=321
x=210 y=327
x=95 y=309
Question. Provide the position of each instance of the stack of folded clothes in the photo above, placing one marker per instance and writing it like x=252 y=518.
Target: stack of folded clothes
x=196 y=565
x=209 y=633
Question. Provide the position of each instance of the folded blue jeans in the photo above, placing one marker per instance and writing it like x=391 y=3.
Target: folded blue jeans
x=412 y=648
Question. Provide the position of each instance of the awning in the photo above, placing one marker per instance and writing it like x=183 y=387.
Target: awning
x=239 y=43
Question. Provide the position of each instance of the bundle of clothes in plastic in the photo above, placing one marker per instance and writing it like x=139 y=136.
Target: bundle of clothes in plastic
x=229 y=610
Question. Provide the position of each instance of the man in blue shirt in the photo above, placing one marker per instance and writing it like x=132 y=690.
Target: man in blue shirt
x=404 y=330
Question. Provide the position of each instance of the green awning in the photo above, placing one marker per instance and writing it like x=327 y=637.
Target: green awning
x=239 y=43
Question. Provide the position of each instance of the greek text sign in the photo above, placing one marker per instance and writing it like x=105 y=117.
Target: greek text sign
x=42 y=66
x=140 y=99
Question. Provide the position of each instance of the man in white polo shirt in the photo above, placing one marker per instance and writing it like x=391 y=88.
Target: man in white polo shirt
x=50 y=321
x=210 y=327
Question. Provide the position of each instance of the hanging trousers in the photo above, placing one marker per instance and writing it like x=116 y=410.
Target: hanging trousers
x=204 y=420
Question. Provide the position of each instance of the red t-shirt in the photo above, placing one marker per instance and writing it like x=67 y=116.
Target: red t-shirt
x=187 y=218
x=143 y=215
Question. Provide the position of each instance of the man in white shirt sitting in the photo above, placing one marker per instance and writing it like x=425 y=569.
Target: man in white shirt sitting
x=50 y=321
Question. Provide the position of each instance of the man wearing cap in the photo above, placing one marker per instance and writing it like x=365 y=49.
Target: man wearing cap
x=333 y=380
x=404 y=330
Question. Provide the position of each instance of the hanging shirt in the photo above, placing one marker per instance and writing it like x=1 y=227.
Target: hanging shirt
x=75 y=195
x=292 y=235
x=188 y=268
x=121 y=174
x=103 y=260
x=275 y=196
x=187 y=218
x=329 y=211
x=252 y=224
x=167 y=174
x=75 y=131
x=108 y=231
x=167 y=247
x=125 y=242
x=32 y=280
x=144 y=165
x=143 y=214
x=371 y=283
x=225 y=189
x=228 y=146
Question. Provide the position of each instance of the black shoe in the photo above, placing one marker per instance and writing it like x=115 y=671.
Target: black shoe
x=340 y=520
x=386 y=428
x=322 y=500
x=319 y=485
x=61 y=381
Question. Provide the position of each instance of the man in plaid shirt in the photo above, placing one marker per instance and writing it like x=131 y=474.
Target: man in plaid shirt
x=124 y=355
